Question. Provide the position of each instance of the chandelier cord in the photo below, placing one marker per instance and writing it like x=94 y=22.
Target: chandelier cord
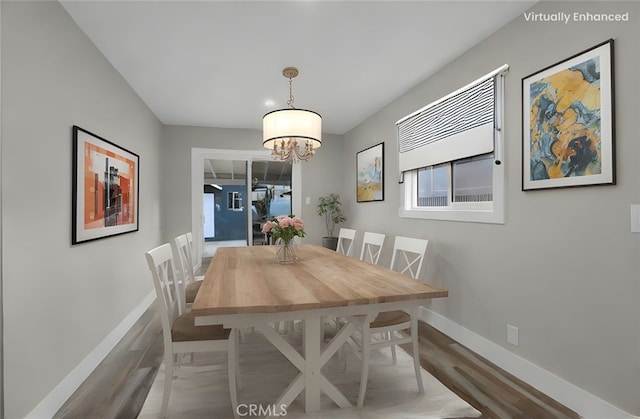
x=290 y=101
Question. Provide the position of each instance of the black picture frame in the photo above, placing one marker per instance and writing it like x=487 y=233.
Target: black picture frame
x=568 y=122
x=105 y=191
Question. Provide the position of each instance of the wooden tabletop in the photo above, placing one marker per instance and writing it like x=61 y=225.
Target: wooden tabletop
x=248 y=280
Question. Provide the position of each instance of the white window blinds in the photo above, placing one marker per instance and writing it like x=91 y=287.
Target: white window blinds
x=457 y=126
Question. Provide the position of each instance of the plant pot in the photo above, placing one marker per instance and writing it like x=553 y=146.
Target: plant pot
x=330 y=242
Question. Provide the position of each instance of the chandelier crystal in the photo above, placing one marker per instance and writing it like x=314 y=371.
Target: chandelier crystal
x=292 y=134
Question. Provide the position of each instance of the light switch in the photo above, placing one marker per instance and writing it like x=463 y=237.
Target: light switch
x=635 y=218
x=512 y=335
x=308 y=201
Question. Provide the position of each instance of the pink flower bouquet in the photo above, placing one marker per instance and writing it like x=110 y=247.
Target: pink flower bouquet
x=284 y=227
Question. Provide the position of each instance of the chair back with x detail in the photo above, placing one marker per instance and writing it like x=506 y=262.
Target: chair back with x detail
x=189 y=237
x=188 y=285
x=372 y=247
x=161 y=264
x=408 y=255
x=345 y=241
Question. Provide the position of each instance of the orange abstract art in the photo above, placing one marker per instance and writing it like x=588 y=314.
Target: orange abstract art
x=105 y=188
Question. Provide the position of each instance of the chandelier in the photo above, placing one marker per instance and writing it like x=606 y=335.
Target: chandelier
x=292 y=134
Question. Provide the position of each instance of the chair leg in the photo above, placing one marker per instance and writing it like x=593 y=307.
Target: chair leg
x=342 y=361
x=364 y=371
x=237 y=349
x=416 y=349
x=176 y=364
x=168 y=378
x=393 y=350
x=342 y=355
x=232 y=358
x=280 y=326
x=337 y=325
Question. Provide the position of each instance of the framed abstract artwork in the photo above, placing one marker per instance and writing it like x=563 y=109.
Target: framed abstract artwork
x=370 y=174
x=568 y=122
x=105 y=188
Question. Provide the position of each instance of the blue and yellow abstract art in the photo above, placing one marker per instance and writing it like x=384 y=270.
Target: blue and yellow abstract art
x=565 y=125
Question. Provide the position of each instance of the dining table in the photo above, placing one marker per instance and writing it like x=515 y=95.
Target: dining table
x=244 y=287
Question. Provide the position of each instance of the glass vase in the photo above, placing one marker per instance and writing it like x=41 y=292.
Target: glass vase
x=286 y=252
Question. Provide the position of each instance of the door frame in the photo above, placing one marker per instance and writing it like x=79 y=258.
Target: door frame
x=198 y=157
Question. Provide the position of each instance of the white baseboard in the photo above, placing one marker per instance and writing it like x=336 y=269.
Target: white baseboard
x=570 y=395
x=53 y=401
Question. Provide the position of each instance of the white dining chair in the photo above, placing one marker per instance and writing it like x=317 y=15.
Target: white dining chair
x=372 y=247
x=194 y=262
x=371 y=250
x=180 y=334
x=346 y=237
x=183 y=257
x=388 y=328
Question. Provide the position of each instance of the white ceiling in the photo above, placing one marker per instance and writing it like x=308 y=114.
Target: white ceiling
x=234 y=172
x=216 y=63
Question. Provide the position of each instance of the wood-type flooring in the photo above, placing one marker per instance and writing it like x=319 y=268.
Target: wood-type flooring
x=119 y=385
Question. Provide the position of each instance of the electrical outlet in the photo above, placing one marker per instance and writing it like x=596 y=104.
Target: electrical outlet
x=512 y=335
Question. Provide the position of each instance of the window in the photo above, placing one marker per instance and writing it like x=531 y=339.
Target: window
x=468 y=180
x=433 y=186
x=234 y=201
x=473 y=179
x=449 y=155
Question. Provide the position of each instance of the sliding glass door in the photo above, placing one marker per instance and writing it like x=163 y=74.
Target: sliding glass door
x=238 y=206
x=270 y=195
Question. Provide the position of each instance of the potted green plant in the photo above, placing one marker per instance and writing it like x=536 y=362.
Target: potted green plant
x=331 y=209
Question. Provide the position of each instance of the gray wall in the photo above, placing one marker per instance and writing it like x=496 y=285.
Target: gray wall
x=564 y=267
x=60 y=301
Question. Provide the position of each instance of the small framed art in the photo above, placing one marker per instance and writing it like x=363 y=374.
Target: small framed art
x=370 y=174
x=568 y=122
x=105 y=188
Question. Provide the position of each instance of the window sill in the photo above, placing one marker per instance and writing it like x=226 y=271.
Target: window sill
x=490 y=216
